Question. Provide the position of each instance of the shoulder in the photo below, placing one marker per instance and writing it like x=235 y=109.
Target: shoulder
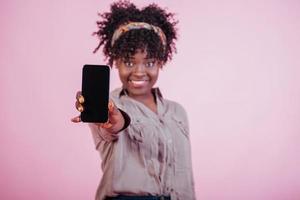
x=176 y=108
x=178 y=113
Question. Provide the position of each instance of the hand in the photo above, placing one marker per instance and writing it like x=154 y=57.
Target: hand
x=115 y=118
x=79 y=106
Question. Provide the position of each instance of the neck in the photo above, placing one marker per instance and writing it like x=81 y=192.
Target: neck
x=147 y=100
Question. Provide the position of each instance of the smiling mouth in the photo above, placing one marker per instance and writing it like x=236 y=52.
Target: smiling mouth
x=138 y=83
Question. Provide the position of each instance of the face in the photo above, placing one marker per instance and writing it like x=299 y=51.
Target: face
x=138 y=74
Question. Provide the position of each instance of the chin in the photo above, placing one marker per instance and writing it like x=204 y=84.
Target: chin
x=138 y=91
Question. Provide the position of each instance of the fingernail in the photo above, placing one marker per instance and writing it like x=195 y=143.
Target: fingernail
x=81 y=99
x=80 y=109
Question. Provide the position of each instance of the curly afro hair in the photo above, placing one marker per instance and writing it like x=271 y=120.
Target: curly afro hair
x=128 y=43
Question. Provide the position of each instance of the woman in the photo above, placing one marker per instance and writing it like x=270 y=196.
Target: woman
x=145 y=145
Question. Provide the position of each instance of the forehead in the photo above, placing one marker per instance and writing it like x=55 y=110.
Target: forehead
x=139 y=55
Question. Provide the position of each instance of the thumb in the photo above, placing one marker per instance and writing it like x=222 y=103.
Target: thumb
x=114 y=113
x=76 y=119
x=112 y=108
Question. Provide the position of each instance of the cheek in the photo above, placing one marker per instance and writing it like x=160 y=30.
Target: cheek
x=154 y=74
x=123 y=74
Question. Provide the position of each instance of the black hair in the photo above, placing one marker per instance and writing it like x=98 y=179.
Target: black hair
x=128 y=43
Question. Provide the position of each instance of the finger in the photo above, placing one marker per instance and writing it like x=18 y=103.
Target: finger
x=113 y=118
x=78 y=93
x=111 y=106
x=80 y=99
x=76 y=119
x=76 y=105
x=106 y=125
x=79 y=107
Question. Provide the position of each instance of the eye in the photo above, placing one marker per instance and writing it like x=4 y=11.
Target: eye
x=128 y=63
x=150 y=64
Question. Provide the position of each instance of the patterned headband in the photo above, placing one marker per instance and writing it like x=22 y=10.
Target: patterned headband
x=138 y=25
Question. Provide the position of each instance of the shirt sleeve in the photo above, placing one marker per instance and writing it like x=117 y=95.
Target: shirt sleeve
x=100 y=134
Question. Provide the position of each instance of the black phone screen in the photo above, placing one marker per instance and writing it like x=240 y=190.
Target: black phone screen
x=95 y=90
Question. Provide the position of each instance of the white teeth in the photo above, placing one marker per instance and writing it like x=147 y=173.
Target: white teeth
x=138 y=82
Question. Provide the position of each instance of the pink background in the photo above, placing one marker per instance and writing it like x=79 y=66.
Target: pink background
x=236 y=73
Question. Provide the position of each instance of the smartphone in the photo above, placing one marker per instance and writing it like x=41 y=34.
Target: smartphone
x=95 y=90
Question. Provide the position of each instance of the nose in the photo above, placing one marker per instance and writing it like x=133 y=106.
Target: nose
x=139 y=69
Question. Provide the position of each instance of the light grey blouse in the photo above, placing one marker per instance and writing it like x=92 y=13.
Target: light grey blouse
x=151 y=156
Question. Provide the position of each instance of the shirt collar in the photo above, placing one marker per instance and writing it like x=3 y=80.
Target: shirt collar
x=155 y=91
